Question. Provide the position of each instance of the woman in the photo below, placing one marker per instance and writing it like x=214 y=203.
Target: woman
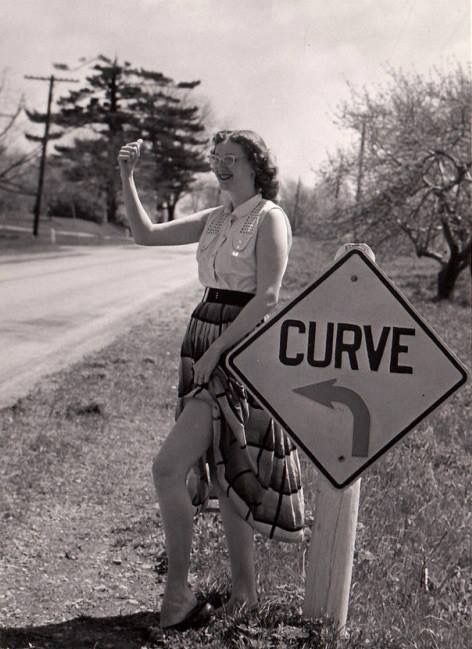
x=242 y=256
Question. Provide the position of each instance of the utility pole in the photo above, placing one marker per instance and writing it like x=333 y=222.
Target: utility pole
x=296 y=205
x=360 y=171
x=39 y=192
x=337 y=186
x=360 y=164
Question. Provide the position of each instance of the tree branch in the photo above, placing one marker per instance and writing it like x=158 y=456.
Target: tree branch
x=14 y=188
x=18 y=163
x=11 y=122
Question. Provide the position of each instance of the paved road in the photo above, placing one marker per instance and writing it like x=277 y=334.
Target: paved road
x=56 y=307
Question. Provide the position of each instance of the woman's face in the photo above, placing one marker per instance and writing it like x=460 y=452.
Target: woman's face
x=231 y=167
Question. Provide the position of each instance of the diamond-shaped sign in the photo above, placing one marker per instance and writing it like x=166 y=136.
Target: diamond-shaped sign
x=347 y=368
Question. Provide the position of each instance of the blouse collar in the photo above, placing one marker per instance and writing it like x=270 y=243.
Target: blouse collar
x=244 y=208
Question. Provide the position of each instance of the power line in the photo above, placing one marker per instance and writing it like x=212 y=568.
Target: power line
x=37 y=205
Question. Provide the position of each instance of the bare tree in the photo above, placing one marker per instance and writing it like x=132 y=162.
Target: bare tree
x=12 y=162
x=416 y=165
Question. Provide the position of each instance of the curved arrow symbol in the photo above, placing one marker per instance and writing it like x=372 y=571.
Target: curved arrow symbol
x=326 y=392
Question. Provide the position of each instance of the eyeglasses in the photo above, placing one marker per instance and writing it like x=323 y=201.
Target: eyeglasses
x=229 y=160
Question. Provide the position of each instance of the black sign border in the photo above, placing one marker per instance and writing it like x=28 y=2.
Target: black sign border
x=244 y=344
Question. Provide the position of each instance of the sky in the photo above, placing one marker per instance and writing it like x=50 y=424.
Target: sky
x=279 y=67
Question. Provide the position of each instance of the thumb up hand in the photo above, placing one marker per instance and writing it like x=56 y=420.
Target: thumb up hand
x=129 y=155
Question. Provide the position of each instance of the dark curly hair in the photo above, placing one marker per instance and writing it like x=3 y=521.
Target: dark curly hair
x=259 y=158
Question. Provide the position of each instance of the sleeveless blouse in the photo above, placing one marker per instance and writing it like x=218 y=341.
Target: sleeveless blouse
x=226 y=253
x=251 y=457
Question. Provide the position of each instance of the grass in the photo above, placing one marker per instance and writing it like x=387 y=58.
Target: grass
x=82 y=553
x=67 y=232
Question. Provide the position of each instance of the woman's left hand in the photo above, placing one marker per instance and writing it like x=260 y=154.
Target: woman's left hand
x=205 y=365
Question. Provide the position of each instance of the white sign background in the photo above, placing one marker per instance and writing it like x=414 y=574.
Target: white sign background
x=353 y=291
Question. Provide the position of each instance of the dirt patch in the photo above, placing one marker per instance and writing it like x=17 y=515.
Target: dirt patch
x=80 y=533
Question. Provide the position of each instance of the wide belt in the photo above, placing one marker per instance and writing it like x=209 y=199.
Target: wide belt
x=224 y=296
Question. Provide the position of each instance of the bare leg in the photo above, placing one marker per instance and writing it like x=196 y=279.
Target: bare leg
x=240 y=540
x=187 y=441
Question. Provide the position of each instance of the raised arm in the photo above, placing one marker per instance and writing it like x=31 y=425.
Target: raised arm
x=145 y=232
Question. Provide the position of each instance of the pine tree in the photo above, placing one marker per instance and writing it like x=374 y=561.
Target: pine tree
x=119 y=103
x=174 y=132
x=101 y=107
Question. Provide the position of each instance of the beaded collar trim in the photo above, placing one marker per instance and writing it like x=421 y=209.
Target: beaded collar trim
x=248 y=224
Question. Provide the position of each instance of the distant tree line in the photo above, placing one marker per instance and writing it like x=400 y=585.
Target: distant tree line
x=117 y=103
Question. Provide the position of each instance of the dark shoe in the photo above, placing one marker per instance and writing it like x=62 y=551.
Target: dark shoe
x=197 y=617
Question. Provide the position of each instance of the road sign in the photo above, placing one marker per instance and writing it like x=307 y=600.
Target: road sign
x=347 y=368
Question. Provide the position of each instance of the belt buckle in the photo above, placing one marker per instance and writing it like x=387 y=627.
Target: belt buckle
x=217 y=295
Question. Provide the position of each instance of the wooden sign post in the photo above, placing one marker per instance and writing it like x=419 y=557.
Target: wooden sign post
x=333 y=538
x=331 y=552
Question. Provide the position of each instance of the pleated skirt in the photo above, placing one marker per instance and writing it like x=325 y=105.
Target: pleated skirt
x=251 y=457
